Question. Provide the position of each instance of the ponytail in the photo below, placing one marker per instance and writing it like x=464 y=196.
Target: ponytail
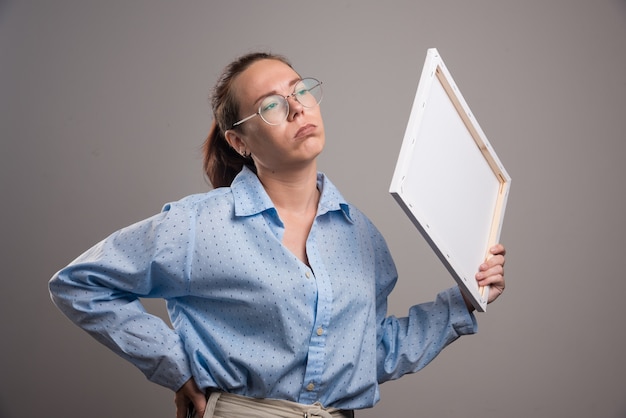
x=221 y=162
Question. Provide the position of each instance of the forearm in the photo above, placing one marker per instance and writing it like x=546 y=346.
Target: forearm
x=121 y=323
x=409 y=344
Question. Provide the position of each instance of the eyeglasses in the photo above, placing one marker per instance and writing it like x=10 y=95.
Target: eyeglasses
x=274 y=109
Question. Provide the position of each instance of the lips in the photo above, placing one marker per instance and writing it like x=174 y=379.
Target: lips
x=306 y=130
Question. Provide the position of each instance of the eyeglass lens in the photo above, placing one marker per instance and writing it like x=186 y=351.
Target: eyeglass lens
x=274 y=109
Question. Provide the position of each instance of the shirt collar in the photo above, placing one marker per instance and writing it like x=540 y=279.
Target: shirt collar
x=251 y=198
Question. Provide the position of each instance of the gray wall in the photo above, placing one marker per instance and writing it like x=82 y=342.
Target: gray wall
x=103 y=107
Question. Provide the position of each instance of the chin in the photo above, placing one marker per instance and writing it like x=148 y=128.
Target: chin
x=316 y=145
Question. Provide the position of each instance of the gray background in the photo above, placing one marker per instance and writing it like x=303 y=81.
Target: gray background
x=103 y=108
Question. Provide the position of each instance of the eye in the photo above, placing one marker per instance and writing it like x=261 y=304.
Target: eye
x=302 y=88
x=302 y=91
x=270 y=104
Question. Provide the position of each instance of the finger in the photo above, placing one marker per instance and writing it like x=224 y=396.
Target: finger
x=496 y=260
x=181 y=412
x=498 y=249
x=200 y=405
x=496 y=269
x=197 y=401
x=492 y=280
x=181 y=408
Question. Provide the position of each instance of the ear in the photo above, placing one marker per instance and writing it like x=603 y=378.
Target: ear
x=234 y=140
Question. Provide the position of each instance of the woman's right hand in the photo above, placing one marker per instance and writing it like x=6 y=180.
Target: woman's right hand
x=189 y=394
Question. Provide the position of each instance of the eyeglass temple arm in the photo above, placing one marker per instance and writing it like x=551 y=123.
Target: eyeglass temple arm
x=245 y=119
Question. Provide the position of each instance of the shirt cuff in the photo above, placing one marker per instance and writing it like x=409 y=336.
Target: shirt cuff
x=463 y=321
x=172 y=372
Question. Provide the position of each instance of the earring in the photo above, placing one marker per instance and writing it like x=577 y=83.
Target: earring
x=243 y=153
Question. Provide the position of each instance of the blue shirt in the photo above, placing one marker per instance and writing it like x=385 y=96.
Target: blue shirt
x=249 y=317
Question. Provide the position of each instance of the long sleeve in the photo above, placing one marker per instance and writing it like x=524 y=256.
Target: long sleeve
x=249 y=317
x=408 y=344
x=100 y=292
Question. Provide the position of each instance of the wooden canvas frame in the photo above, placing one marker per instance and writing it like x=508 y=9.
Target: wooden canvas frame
x=449 y=180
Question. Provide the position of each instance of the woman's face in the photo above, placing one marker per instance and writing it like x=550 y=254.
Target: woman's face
x=290 y=145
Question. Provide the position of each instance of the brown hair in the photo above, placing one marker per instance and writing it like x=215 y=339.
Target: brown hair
x=221 y=162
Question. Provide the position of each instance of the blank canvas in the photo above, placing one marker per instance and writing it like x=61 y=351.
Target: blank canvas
x=449 y=180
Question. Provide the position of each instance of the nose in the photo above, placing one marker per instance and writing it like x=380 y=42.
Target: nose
x=295 y=107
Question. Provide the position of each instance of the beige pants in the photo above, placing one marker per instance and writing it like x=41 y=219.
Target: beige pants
x=227 y=405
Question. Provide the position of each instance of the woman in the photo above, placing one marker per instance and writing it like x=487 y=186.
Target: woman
x=276 y=287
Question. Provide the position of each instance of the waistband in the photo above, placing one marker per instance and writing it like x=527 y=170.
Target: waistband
x=228 y=405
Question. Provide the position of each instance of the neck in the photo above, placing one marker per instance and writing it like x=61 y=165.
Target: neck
x=293 y=191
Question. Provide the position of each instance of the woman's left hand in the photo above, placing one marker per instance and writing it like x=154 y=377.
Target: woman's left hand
x=491 y=272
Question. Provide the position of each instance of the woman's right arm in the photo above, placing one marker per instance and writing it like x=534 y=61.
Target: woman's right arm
x=190 y=398
x=100 y=291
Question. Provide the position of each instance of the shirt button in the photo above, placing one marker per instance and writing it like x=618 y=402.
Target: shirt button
x=308 y=274
x=320 y=331
x=310 y=386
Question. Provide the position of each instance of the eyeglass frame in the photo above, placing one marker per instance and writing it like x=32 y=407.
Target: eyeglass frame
x=258 y=112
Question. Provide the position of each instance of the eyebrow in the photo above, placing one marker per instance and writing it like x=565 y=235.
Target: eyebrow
x=273 y=92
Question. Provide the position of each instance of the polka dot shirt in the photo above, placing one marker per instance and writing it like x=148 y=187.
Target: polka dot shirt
x=248 y=316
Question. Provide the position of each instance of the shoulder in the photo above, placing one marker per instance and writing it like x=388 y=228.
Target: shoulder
x=197 y=203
